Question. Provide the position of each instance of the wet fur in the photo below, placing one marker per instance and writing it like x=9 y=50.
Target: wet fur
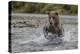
x=54 y=25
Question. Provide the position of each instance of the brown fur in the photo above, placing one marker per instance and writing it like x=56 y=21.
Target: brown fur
x=54 y=21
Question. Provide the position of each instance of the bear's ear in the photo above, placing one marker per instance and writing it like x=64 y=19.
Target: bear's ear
x=56 y=13
x=48 y=12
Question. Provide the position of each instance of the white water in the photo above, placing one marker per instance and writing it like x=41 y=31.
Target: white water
x=68 y=34
x=37 y=39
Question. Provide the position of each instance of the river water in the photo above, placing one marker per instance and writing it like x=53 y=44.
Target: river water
x=29 y=39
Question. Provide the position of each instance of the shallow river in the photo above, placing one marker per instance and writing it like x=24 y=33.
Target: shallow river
x=29 y=39
x=32 y=39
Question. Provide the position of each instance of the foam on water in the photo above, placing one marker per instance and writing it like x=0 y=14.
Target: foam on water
x=40 y=39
